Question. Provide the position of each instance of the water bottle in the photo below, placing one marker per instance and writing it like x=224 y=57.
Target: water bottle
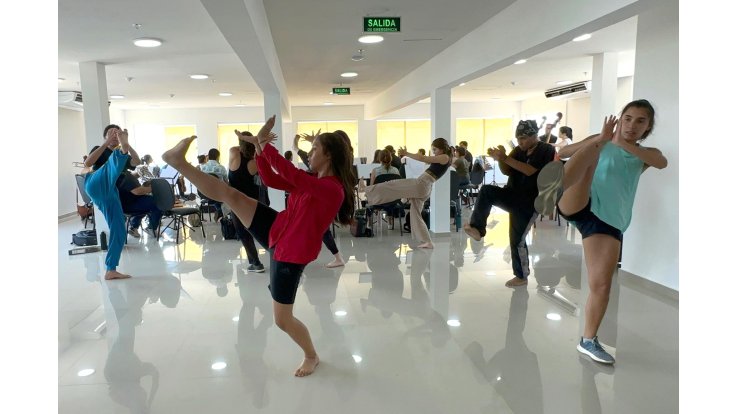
x=103 y=240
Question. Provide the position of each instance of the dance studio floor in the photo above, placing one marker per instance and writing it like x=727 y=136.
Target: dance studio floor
x=398 y=330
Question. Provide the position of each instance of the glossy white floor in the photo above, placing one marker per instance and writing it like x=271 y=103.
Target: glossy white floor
x=398 y=331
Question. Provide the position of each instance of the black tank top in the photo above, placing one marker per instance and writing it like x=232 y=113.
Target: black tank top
x=242 y=180
x=437 y=170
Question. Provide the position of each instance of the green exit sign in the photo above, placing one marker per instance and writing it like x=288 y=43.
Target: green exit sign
x=341 y=91
x=382 y=24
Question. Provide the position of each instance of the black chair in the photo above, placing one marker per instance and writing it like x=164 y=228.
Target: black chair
x=163 y=196
x=471 y=190
x=394 y=208
x=455 y=197
x=207 y=205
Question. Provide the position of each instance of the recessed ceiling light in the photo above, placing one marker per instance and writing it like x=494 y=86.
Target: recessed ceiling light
x=225 y=94
x=357 y=358
x=236 y=318
x=85 y=372
x=219 y=365
x=117 y=96
x=520 y=61
x=61 y=79
x=370 y=39
x=240 y=105
x=348 y=74
x=199 y=76
x=340 y=313
x=462 y=84
x=563 y=83
x=453 y=322
x=147 y=42
x=328 y=103
x=581 y=38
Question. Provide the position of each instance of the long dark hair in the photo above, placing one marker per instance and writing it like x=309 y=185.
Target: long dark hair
x=342 y=166
x=644 y=104
x=246 y=148
x=441 y=144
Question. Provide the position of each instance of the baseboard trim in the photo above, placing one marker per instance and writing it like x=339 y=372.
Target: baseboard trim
x=67 y=216
x=648 y=287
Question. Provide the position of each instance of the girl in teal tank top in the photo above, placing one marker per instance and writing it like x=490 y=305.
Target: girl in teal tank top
x=600 y=182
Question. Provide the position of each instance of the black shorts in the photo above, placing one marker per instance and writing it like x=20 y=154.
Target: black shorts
x=284 y=277
x=589 y=224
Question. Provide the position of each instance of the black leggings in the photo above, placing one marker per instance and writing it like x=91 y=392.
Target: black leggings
x=284 y=277
x=247 y=239
x=329 y=240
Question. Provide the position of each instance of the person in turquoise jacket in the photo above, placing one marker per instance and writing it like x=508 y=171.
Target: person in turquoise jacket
x=598 y=186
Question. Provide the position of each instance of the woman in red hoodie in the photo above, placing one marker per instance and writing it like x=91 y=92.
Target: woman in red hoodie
x=293 y=236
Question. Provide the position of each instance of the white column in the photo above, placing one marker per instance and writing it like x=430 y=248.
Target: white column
x=603 y=89
x=439 y=217
x=272 y=106
x=96 y=118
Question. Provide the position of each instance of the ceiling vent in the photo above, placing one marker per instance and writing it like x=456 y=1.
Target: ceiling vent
x=573 y=88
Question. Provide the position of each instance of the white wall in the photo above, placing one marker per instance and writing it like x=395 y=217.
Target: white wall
x=71 y=148
x=651 y=244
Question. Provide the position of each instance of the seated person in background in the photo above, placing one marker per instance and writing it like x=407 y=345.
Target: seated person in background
x=385 y=168
x=565 y=139
x=395 y=160
x=213 y=166
x=376 y=157
x=201 y=159
x=289 y=156
x=144 y=171
x=137 y=201
x=461 y=166
x=422 y=151
x=468 y=155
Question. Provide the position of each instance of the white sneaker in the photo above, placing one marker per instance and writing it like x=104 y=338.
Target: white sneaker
x=549 y=182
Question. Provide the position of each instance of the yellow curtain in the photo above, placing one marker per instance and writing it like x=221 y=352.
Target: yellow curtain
x=418 y=135
x=174 y=134
x=498 y=131
x=472 y=131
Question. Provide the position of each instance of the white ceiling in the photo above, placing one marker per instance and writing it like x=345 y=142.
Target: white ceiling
x=314 y=42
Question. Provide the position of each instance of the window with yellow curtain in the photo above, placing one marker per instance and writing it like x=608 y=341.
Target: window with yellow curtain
x=484 y=133
x=174 y=134
x=349 y=127
x=418 y=135
x=227 y=139
x=389 y=133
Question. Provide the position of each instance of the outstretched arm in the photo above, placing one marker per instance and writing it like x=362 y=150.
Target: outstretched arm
x=440 y=159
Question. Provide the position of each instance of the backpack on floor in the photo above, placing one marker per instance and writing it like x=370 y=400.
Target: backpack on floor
x=359 y=225
x=228 y=228
x=85 y=238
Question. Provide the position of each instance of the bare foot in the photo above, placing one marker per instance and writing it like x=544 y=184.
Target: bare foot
x=175 y=156
x=427 y=245
x=472 y=232
x=516 y=282
x=114 y=274
x=335 y=263
x=307 y=367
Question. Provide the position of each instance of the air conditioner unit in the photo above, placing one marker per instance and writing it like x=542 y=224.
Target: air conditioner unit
x=70 y=100
x=573 y=88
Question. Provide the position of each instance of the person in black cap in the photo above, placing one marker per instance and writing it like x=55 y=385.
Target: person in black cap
x=522 y=166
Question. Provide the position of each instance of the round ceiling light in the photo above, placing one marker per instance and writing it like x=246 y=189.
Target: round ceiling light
x=147 y=42
x=117 y=96
x=199 y=76
x=348 y=74
x=370 y=39
x=520 y=62
x=582 y=37
x=225 y=94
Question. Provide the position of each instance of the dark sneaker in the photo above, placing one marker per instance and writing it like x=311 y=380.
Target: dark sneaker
x=134 y=232
x=256 y=268
x=594 y=350
x=549 y=183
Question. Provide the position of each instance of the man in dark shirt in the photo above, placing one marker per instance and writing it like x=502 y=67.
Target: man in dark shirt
x=468 y=155
x=522 y=167
x=137 y=201
x=547 y=136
